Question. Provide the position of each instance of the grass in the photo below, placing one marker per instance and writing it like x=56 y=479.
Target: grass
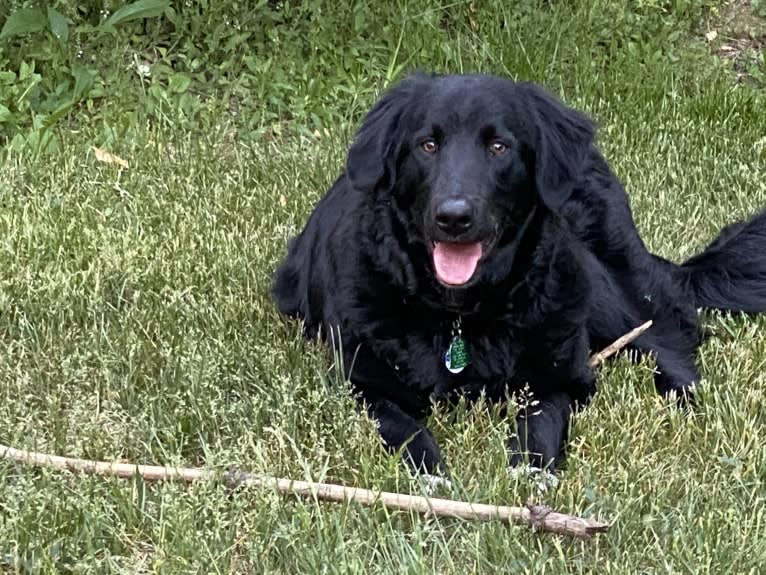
x=135 y=324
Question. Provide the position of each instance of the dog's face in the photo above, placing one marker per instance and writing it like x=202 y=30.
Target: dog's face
x=465 y=176
x=466 y=160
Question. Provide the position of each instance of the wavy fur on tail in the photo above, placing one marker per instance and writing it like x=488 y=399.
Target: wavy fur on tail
x=730 y=274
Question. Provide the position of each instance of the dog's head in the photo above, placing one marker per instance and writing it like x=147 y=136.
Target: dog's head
x=467 y=160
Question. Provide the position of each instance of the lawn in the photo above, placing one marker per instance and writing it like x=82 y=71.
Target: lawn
x=136 y=323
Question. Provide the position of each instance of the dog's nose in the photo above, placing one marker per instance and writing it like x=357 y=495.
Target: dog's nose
x=454 y=216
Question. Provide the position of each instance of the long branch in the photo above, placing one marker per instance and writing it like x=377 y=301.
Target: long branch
x=536 y=516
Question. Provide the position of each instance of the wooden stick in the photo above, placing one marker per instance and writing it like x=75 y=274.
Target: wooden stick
x=536 y=516
x=618 y=344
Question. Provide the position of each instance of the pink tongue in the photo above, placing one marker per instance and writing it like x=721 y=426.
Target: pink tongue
x=456 y=263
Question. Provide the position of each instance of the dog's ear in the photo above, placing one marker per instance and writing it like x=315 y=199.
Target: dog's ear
x=563 y=138
x=373 y=155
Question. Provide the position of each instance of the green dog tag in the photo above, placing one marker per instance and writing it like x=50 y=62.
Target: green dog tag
x=456 y=359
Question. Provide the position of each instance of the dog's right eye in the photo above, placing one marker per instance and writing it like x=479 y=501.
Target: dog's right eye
x=429 y=146
x=498 y=148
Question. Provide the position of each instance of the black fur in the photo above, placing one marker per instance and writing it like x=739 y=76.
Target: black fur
x=565 y=273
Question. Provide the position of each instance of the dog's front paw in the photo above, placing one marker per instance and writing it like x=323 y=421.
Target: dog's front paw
x=422 y=453
x=532 y=454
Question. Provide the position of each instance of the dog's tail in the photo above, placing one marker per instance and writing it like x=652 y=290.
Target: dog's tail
x=730 y=274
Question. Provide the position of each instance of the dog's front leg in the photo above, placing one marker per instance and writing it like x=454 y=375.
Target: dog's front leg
x=398 y=429
x=561 y=379
x=542 y=429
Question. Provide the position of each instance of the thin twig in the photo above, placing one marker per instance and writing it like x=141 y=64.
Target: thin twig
x=535 y=516
x=618 y=344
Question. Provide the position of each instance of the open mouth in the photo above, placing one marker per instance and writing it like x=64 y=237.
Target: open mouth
x=456 y=263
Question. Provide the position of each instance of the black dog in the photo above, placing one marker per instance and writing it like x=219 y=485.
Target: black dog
x=478 y=241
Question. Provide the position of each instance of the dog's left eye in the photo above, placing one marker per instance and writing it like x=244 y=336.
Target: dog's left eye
x=498 y=148
x=429 y=146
